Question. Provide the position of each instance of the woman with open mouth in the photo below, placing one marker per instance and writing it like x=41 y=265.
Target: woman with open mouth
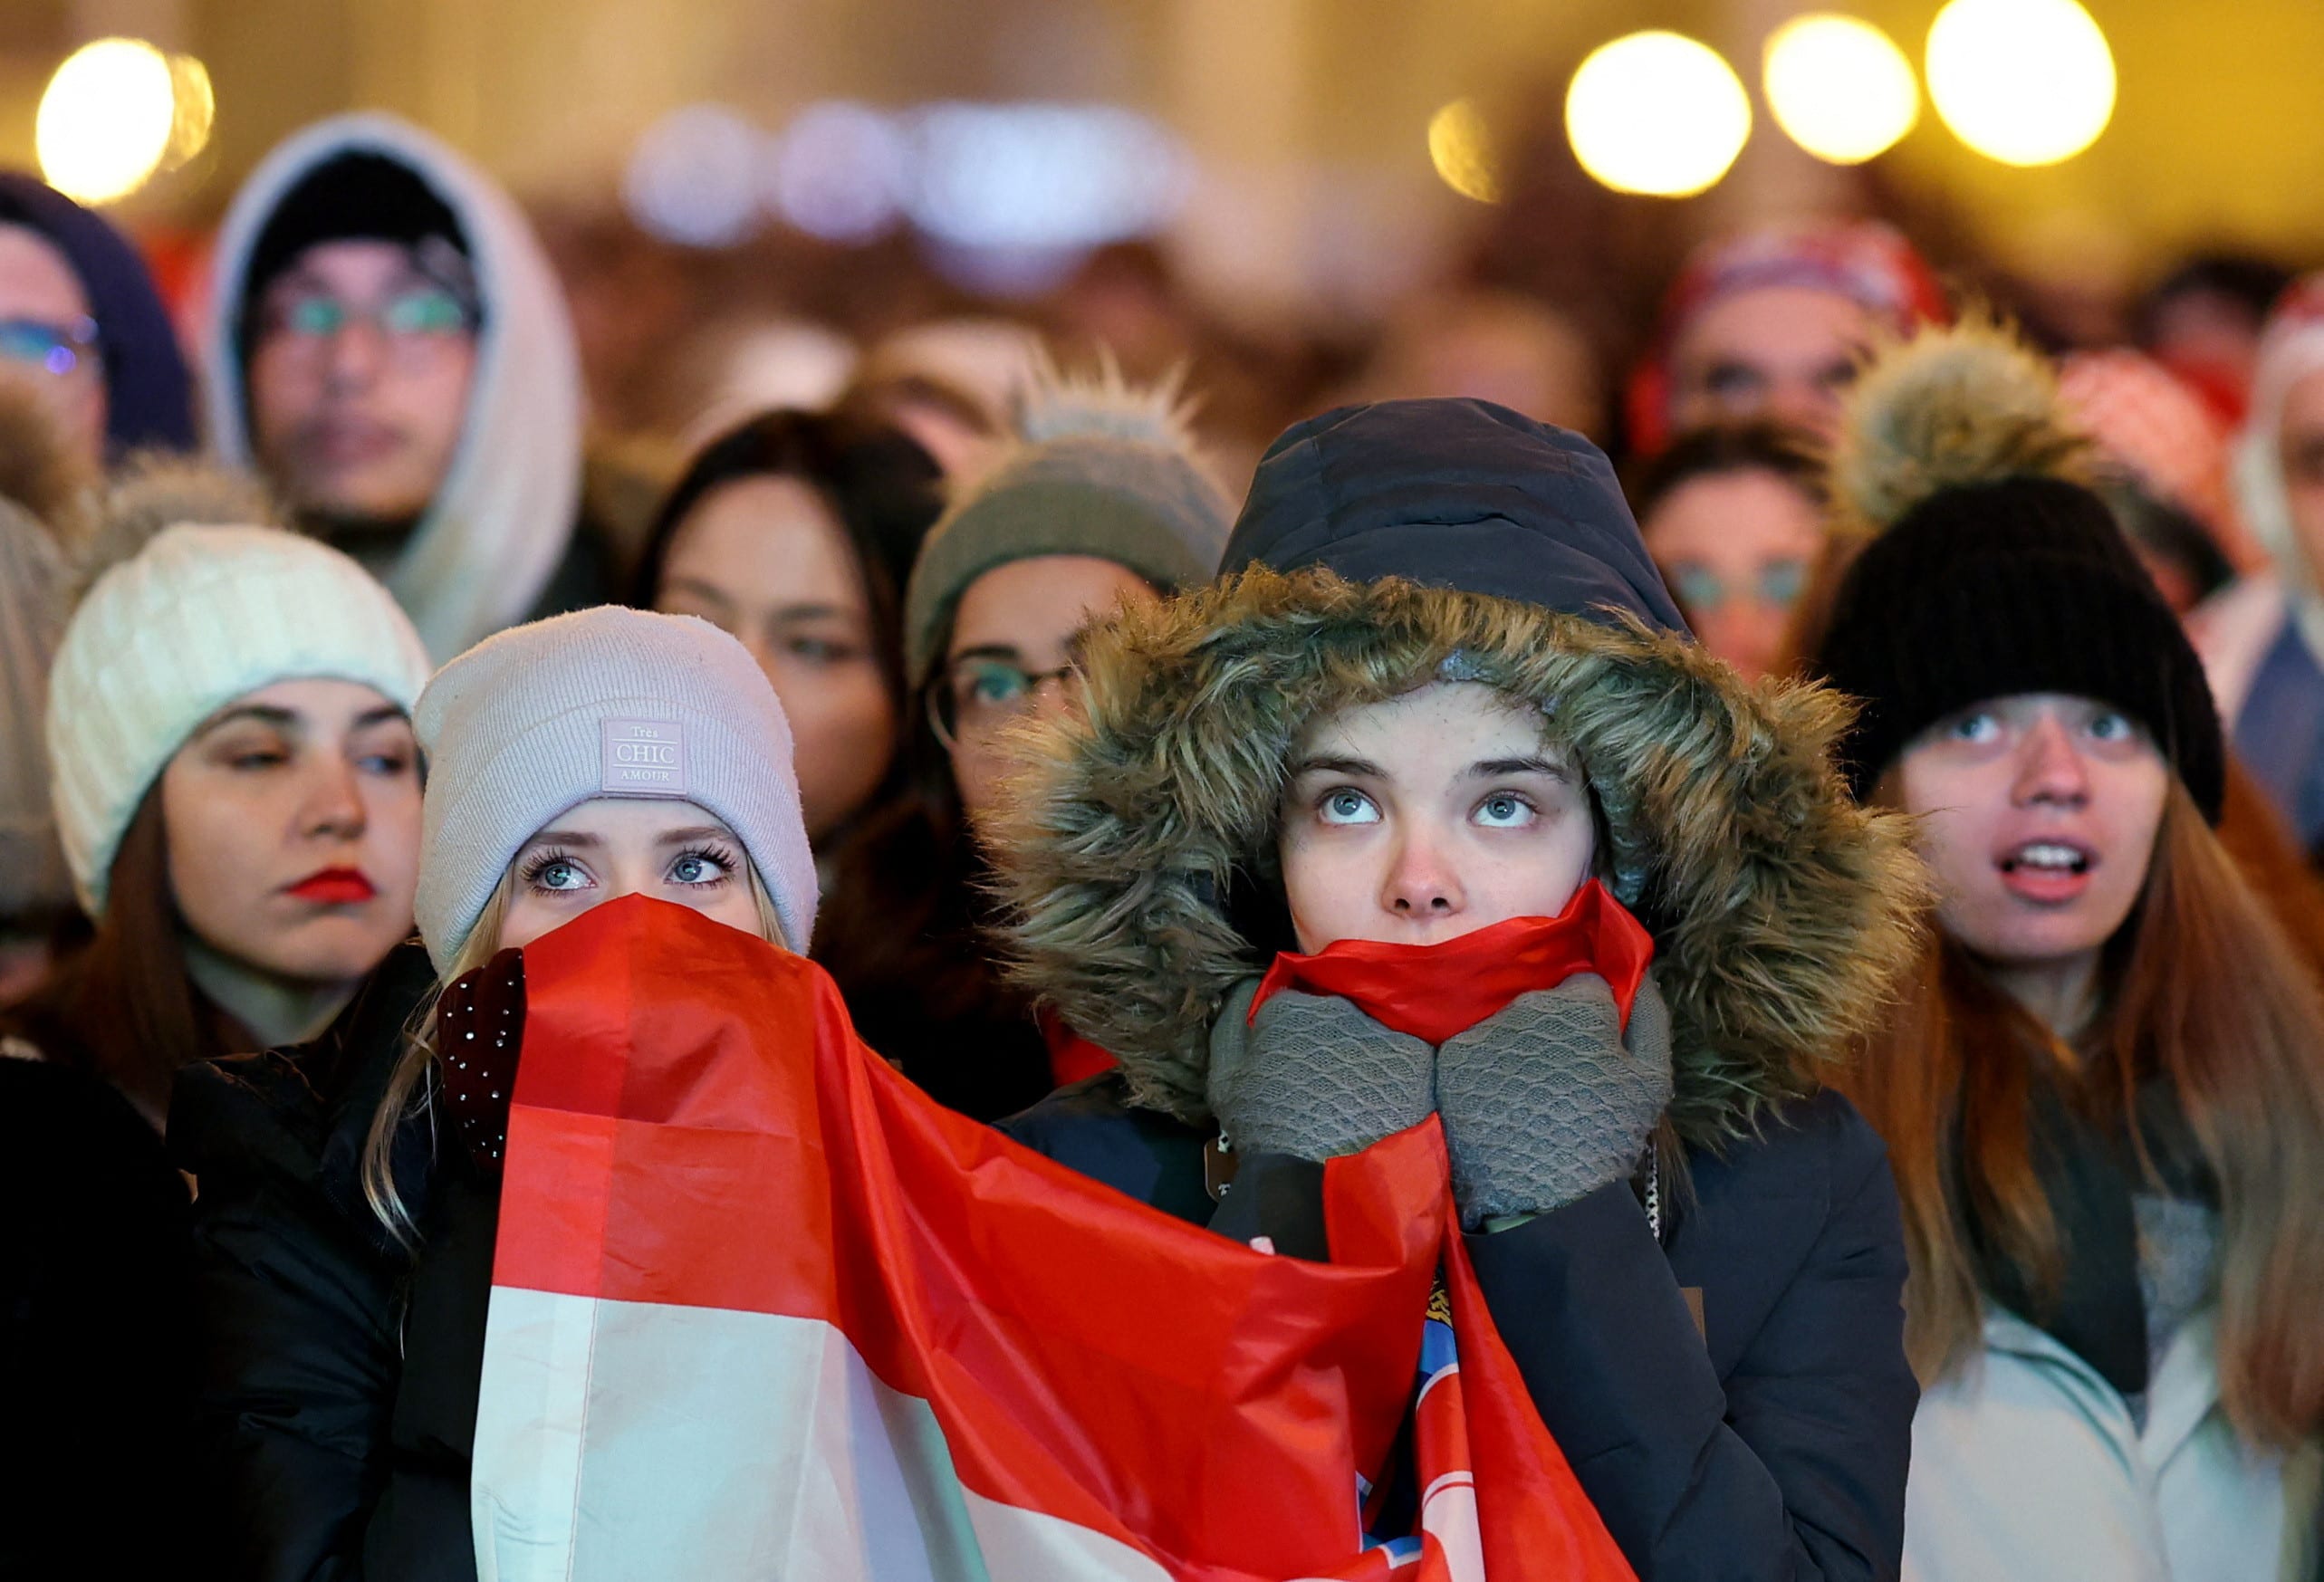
x=2104 y=1092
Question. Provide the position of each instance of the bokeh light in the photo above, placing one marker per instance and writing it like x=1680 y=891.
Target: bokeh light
x=841 y=172
x=1460 y=145
x=1840 y=87
x=1019 y=175
x=1657 y=113
x=694 y=178
x=106 y=119
x=194 y=108
x=2023 y=81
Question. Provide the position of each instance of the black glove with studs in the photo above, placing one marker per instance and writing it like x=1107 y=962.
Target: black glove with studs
x=479 y=1025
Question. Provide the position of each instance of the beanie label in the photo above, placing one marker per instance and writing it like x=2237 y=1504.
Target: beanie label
x=643 y=758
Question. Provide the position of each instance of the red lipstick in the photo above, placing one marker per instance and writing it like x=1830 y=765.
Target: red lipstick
x=335 y=887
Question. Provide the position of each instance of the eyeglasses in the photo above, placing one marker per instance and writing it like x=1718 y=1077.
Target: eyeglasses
x=412 y=322
x=1701 y=590
x=56 y=349
x=976 y=696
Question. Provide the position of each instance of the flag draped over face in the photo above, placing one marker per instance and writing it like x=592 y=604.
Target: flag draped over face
x=761 y=1309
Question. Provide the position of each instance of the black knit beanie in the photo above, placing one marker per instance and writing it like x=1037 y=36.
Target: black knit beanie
x=359 y=196
x=2021 y=585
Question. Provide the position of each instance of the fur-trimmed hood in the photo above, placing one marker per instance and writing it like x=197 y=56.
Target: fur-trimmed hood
x=1781 y=910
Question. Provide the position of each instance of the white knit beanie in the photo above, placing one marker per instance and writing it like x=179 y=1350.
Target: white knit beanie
x=608 y=702
x=200 y=617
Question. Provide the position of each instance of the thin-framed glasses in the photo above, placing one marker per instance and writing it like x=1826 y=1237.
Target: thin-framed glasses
x=54 y=349
x=977 y=695
x=413 y=323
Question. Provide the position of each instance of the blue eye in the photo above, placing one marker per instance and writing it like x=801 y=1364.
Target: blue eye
x=1345 y=806
x=2110 y=727
x=702 y=866
x=995 y=684
x=1975 y=728
x=558 y=874
x=1504 y=811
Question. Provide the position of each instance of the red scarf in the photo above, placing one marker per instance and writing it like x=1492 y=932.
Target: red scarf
x=1435 y=991
x=1071 y=1057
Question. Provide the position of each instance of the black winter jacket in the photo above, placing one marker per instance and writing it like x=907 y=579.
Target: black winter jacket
x=337 y=1396
x=96 y=1332
x=1772 y=1442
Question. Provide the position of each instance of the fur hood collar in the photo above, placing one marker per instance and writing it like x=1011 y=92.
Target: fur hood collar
x=1781 y=911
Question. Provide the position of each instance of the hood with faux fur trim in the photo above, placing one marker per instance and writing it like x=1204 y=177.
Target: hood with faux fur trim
x=1781 y=910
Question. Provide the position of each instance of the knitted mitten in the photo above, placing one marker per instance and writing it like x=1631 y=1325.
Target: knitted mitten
x=1543 y=1103
x=1313 y=1077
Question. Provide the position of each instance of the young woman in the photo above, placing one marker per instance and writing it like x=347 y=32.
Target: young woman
x=2104 y=1088
x=236 y=790
x=237 y=793
x=1734 y=518
x=1390 y=823
x=795 y=531
x=343 y=1236
x=1099 y=502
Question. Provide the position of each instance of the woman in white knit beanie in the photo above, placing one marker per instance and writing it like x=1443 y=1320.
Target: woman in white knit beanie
x=572 y=762
x=235 y=784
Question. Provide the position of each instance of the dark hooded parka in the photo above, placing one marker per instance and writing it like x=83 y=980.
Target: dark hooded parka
x=1734 y=1394
x=148 y=393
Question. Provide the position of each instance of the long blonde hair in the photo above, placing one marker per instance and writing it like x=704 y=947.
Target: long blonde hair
x=412 y=1086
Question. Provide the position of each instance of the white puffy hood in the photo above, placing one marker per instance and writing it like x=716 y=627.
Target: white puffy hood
x=499 y=526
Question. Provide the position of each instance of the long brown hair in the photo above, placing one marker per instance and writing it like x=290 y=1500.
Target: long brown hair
x=126 y=1003
x=2200 y=988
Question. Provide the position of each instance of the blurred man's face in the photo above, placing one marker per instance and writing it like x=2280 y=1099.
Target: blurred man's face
x=48 y=337
x=358 y=380
x=1784 y=352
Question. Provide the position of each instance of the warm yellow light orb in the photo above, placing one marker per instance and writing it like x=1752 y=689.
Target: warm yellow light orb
x=1657 y=113
x=1840 y=87
x=1460 y=145
x=105 y=120
x=194 y=106
x=2023 y=81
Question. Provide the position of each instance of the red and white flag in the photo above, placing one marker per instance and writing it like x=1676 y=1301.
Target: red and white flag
x=761 y=1310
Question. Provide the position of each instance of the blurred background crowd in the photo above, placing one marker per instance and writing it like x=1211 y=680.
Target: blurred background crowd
x=720 y=307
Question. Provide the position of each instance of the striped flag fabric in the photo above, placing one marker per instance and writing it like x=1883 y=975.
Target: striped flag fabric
x=761 y=1310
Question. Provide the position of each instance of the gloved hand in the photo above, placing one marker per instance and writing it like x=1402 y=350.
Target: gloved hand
x=479 y=1025
x=1543 y=1103
x=1313 y=1077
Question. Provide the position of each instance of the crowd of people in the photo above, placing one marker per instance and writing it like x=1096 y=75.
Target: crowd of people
x=1843 y=886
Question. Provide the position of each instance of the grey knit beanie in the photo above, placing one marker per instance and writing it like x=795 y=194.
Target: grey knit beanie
x=1096 y=467
x=608 y=702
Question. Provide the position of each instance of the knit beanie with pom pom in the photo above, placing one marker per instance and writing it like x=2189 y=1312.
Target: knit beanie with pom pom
x=1098 y=468
x=1993 y=569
